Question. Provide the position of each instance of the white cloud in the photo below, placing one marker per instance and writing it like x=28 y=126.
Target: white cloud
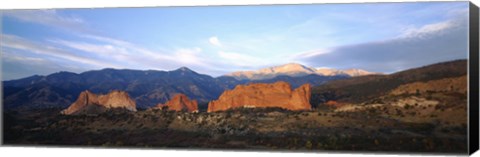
x=214 y=41
x=49 y=18
x=427 y=44
x=14 y=58
x=18 y=65
x=131 y=55
x=107 y=40
x=189 y=56
x=19 y=43
x=97 y=51
x=311 y=53
x=265 y=47
x=107 y=51
x=130 y=48
x=426 y=30
x=123 y=53
x=240 y=59
x=323 y=67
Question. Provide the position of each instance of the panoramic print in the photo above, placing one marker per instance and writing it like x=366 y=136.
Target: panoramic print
x=382 y=77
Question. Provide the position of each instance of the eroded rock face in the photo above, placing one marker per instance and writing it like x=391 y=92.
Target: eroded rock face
x=278 y=94
x=90 y=103
x=180 y=102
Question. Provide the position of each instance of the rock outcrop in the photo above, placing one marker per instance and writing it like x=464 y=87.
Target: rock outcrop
x=278 y=94
x=179 y=102
x=90 y=103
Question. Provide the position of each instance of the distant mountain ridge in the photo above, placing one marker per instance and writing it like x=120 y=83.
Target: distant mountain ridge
x=147 y=88
x=150 y=87
x=295 y=70
x=363 y=88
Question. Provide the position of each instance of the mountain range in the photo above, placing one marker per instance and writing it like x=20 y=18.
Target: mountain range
x=150 y=87
x=365 y=88
x=146 y=87
x=294 y=69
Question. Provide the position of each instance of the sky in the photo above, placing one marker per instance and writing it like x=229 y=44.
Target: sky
x=216 y=40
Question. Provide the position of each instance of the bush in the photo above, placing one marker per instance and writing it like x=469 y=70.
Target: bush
x=407 y=106
x=308 y=144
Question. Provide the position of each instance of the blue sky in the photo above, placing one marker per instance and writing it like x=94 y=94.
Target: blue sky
x=379 y=37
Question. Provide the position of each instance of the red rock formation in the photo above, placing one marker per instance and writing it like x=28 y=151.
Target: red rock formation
x=90 y=103
x=180 y=102
x=278 y=94
x=335 y=104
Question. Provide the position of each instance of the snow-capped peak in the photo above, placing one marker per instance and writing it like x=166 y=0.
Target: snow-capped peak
x=294 y=69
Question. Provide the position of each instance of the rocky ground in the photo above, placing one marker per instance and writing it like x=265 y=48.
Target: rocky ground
x=401 y=123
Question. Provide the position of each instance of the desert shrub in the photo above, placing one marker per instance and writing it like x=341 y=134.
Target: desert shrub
x=429 y=97
x=119 y=143
x=407 y=106
x=445 y=130
x=228 y=115
x=398 y=112
x=308 y=144
x=423 y=128
x=154 y=118
x=296 y=117
x=319 y=145
x=413 y=113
